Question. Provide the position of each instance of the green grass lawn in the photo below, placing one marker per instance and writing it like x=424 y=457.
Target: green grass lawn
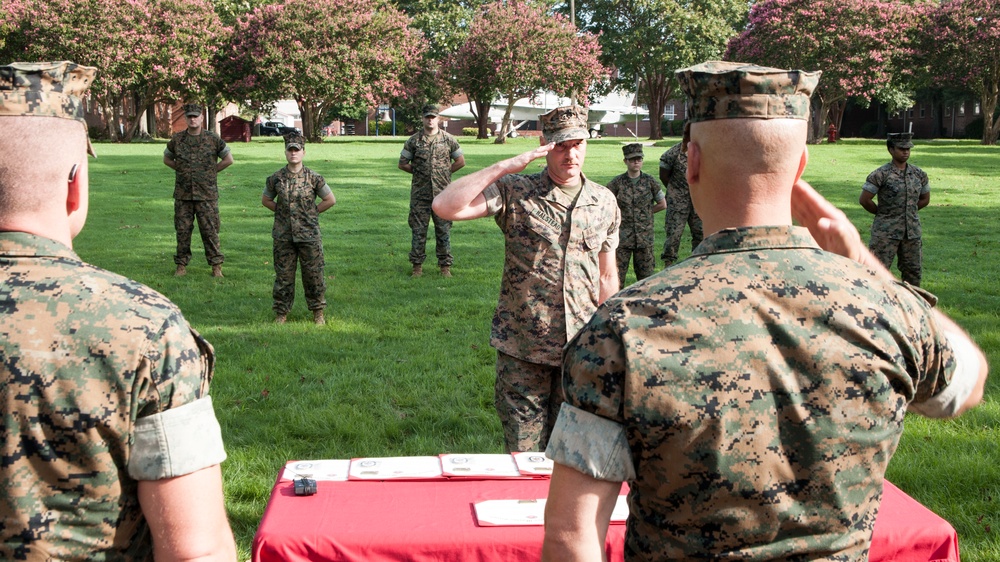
x=404 y=366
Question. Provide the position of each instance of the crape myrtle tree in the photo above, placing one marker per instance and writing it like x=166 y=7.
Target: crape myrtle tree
x=444 y=25
x=963 y=47
x=146 y=50
x=650 y=39
x=865 y=49
x=327 y=55
x=548 y=53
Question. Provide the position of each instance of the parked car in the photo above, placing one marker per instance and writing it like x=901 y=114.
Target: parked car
x=276 y=129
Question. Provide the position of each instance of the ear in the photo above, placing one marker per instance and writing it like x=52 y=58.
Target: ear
x=74 y=192
x=541 y=140
x=803 y=160
x=694 y=162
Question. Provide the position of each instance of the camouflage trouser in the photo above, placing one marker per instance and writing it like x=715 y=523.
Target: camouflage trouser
x=420 y=217
x=678 y=214
x=644 y=263
x=909 y=252
x=207 y=213
x=527 y=397
x=310 y=255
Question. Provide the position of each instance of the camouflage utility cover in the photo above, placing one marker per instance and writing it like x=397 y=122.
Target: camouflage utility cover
x=84 y=356
x=632 y=150
x=192 y=110
x=431 y=157
x=762 y=385
x=565 y=123
x=196 y=157
x=636 y=199
x=296 y=217
x=294 y=140
x=897 y=192
x=734 y=90
x=551 y=275
x=46 y=89
x=901 y=140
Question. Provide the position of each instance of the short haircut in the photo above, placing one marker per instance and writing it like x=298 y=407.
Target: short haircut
x=38 y=154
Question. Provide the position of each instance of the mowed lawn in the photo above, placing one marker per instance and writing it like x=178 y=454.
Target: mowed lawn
x=404 y=366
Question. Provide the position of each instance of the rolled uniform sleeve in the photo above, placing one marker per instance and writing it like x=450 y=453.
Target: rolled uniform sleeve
x=591 y=445
x=176 y=442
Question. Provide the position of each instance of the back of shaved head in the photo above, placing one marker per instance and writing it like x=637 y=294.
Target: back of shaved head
x=38 y=154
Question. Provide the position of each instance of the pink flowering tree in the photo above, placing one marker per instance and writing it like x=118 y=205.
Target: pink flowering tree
x=547 y=54
x=650 y=39
x=863 y=48
x=328 y=55
x=963 y=46
x=145 y=50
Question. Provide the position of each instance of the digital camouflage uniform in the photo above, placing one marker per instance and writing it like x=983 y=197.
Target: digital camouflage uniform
x=196 y=192
x=549 y=289
x=431 y=157
x=102 y=384
x=760 y=388
x=896 y=227
x=636 y=199
x=297 y=237
x=680 y=211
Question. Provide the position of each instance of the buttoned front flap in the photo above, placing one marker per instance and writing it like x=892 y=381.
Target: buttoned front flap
x=592 y=239
x=543 y=225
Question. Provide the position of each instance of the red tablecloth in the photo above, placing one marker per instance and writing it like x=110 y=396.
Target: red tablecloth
x=434 y=521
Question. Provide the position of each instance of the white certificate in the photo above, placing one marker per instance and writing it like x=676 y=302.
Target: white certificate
x=533 y=464
x=385 y=468
x=509 y=513
x=489 y=466
x=331 y=470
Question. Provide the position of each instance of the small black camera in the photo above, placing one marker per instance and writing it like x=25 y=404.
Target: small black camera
x=304 y=486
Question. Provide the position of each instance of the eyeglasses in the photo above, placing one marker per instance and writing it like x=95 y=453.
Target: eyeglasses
x=636 y=159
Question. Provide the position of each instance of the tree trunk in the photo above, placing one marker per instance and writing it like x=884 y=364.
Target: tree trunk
x=482 y=115
x=991 y=124
x=505 y=125
x=658 y=89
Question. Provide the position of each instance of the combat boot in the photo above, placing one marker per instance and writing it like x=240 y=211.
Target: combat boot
x=445 y=271
x=280 y=319
x=217 y=270
x=318 y=317
x=418 y=270
x=181 y=271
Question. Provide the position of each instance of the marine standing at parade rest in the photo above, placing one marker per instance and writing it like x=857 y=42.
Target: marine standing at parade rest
x=902 y=189
x=110 y=444
x=197 y=155
x=639 y=198
x=752 y=394
x=680 y=211
x=431 y=155
x=560 y=234
x=291 y=193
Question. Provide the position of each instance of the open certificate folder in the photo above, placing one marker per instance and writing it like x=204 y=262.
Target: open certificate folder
x=330 y=470
x=508 y=513
x=386 y=468
x=479 y=466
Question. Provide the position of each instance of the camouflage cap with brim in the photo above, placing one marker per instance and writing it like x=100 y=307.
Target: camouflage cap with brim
x=192 y=110
x=565 y=123
x=294 y=140
x=736 y=90
x=431 y=110
x=901 y=140
x=46 y=89
x=633 y=150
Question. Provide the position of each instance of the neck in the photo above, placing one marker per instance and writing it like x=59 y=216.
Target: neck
x=635 y=174
x=44 y=227
x=567 y=179
x=295 y=168
x=899 y=165
x=194 y=130
x=430 y=130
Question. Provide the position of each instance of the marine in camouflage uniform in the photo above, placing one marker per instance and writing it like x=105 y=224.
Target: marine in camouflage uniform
x=291 y=193
x=103 y=384
x=753 y=394
x=431 y=155
x=901 y=189
x=192 y=153
x=680 y=211
x=559 y=241
x=639 y=198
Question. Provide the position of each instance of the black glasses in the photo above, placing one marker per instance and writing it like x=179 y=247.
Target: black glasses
x=636 y=159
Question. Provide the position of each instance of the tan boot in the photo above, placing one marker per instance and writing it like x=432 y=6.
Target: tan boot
x=445 y=271
x=318 y=317
x=418 y=270
x=280 y=319
x=181 y=271
x=217 y=271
